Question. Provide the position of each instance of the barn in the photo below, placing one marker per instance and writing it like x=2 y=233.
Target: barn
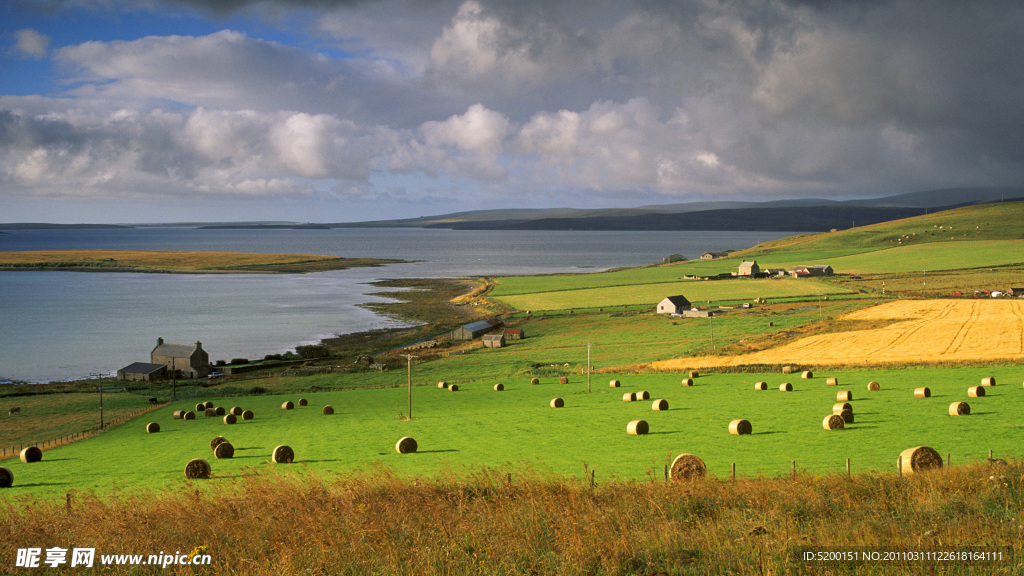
x=475 y=329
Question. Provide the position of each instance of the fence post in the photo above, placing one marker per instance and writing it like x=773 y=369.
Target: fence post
x=792 y=467
x=592 y=478
x=948 y=460
x=847 y=468
x=666 y=473
x=733 y=471
x=899 y=465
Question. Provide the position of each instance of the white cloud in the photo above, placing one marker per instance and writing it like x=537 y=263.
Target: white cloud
x=31 y=44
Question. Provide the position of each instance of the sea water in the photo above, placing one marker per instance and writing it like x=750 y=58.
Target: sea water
x=67 y=325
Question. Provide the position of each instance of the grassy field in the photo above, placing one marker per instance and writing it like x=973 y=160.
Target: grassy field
x=177 y=261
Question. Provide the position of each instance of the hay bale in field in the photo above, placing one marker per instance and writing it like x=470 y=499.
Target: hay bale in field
x=209 y=412
x=563 y=380
x=844 y=396
x=406 y=445
x=959 y=409
x=283 y=454
x=453 y=388
x=190 y=415
x=534 y=381
x=988 y=381
x=248 y=415
x=785 y=387
x=976 y=391
x=201 y=407
x=807 y=375
x=224 y=450
x=303 y=402
x=629 y=397
x=643 y=395
x=847 y=415
x=739 y=427
x=197 y=468
x=288 y=405
x=31 y=454
x=499 y=387
x=832 y=382
x=687 y=382
x=230 y=418
x=6 y=478
x=833 y=422
x=687 y=467
x=328 y=410
x=873 y=386
x=694 y=374
x=614 y=384
x=217 y=440
x=922 y=392
x=660 y=404
x=152 y=428
x=178 y=414
x=788 y=369
x=220 y=410
x=760 y=385
x=637 y=427
x=442 y=384
x=557 y=403
x=207 y=405
x=840 y=406
x=918 y=459
x=236 y=410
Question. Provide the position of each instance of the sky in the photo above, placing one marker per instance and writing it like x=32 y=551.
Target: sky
x=353 y=110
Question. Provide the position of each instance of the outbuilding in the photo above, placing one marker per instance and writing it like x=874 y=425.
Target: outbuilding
x=514 y=334
x=673 y=305
x=144 y=371
x=493 y=340
x=475 y=329
x=713 y=255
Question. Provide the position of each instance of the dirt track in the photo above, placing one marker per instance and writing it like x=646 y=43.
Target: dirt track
x=932 y=331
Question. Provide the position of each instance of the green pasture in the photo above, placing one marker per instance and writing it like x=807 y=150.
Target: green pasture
x=516 y=428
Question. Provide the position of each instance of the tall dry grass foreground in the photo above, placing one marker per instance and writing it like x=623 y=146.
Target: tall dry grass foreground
x=481 y=523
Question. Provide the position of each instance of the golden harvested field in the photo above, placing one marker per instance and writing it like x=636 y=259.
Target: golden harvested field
x=924 y=331
x=176 y=261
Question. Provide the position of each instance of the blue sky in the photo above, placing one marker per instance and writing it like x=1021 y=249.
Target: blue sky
x=343 y=110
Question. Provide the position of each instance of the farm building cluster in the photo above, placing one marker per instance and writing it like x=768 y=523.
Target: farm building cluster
x=170 y=361
x=752 y=270
x=492 y=333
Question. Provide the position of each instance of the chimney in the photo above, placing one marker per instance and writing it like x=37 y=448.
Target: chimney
x=199 y=345
x=159 y=341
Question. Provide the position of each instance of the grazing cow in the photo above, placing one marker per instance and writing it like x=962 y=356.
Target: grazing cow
x=12 y=411
x=152 y=400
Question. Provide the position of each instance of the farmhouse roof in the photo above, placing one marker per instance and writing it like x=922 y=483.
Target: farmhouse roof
x=483 y=324
x=494 y=337
x=678 y=300
x=141 y=368
x=514 y=331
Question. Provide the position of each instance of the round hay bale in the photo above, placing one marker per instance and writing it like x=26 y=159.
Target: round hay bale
x=643 y=395
x=629 y=397
x=499 y=387
x=283 y=454
x=557 y=403
x=248 y=415
x=207 y=405
x=832 y=382
x=807 y=375
x=844 y=396
x=178 y=414
x=637 y=427
x=660 y=404
x=760 y=385
x=847 y=415
x=230 y=418
x=220 y=410
x=201 y=407
x=328 y=410
x=694 y=374
x=31 y=454
x=6 y=478
x=959 y=409
x=840 y=406
x=406 y=445
x=918 y=459
x=687 y=382
x=217 y=440
x=442 y=384
x=209 y=412
x=563 y=380
x=833 y=422
x=614 y=384
x=454 y=388
x=739 y=427
x=785 y=387
x=197 y=468
x=303 y=402
x=288 y=405
x=873 y=386
x=152 y=428
x=190 y=415
x=687 y=467
x=988 y=381
x=922 y=392
x=224 y=450
x=236 y=410
x=976 y=392
x=788 y=369
x=534 y=381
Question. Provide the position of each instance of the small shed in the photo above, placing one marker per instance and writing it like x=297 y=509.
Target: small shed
x=493 y=340
x=145 y=371
x=673 y=305
x=514 y=334
x=749 y=268
x=713 y=255
x=1018 y=292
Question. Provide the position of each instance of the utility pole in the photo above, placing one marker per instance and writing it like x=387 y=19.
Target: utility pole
x=99 y=380
x=711 y=318
x=588 y=368
x=409 y=358
x=924 y=283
